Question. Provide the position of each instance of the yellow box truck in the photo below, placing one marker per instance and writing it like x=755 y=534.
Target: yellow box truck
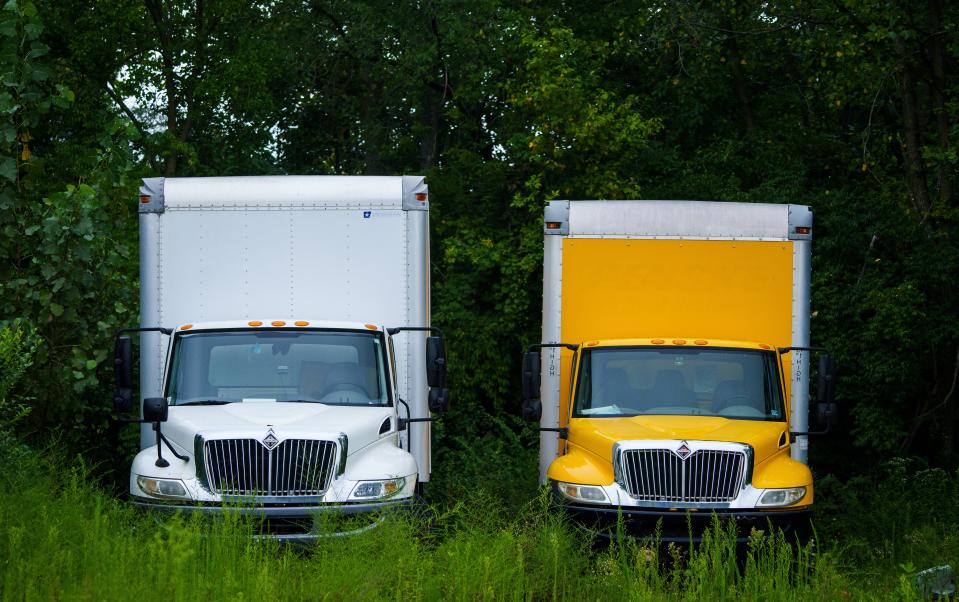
x=672 y=378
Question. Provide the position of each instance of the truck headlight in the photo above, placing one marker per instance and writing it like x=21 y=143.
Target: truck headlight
x=782 y=497
x=582 y=493
x=163 y=488
x=368 y=490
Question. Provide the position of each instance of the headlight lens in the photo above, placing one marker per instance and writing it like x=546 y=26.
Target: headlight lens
x=782 y=497
x=582 y=493
x=368 y=490
x=163 y=488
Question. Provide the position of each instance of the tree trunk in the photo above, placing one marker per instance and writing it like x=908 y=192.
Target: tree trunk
x=739 y=77
x=912 y=135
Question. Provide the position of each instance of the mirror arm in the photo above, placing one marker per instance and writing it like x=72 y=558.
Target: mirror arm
x=399 y=329
x=563 y=431
x=161 y=461
x=794 y=434
x=160 y=329
x=784 y=350
x=569 y=346
x=404 y=422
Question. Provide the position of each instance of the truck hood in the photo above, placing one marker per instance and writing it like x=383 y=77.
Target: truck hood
x=287 y=421
x=598 y=435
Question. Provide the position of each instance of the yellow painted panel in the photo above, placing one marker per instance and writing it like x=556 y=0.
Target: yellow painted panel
x=692 y=289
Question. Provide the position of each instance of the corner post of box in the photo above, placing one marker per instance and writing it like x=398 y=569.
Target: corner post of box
x=151 y=195
x=556 y=211
x=415 y=193
x=800 y=233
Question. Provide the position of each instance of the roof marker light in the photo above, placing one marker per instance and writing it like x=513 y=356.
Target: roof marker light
x=186 y=327
x=372 y=326
x=144 y=199
x=592 y=343
x=301 y=323
x=765 y=346
x=420 y=196
x=553 y=225
x=679 y=341
x=657 y=341
x=803 y=230
x=278 y=323
x=255 y=323
x=701 y=342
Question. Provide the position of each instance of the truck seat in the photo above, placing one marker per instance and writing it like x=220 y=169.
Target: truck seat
x=730 y=393
x=345 y=377
x=313 y=379
x=669 y=389
x=616 y=389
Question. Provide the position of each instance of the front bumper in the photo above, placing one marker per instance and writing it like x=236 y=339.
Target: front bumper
x=291 y=523
x=686 y=525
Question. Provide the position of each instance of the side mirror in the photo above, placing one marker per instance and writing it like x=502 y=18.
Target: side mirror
x=123 y=362
x=827 y=380
x=155 y=409
x=436 y=362
x=532 y=410
x=439 y=399
x=123 y=371
x=531 y=377
x=827 y=414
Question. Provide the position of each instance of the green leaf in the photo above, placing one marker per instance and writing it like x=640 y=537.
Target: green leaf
x=91 y=364
x=56 y=309
x=8 y=168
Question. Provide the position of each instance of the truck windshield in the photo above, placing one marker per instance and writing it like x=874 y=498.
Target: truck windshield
x=330 y=367
x=631 y=381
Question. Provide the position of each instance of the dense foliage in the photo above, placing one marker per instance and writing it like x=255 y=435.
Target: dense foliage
x=846 y=105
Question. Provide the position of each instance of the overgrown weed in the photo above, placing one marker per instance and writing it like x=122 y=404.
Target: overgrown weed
x=62 y=538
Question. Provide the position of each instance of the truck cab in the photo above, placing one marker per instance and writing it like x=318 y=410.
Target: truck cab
x=287 y=417
x=664 y=427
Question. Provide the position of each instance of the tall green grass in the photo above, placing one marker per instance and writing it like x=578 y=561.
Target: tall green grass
x=63 y=539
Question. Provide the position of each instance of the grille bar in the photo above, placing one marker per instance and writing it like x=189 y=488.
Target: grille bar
x=659 y=475
x=295 y=467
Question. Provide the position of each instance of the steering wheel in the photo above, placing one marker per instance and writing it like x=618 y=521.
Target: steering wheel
x=346 y=387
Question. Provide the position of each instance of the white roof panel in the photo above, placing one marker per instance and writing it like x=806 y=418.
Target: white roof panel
x=686 y=219
x=266 y=192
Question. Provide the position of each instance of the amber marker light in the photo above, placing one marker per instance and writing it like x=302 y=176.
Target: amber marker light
x=592 y=343
x=186 y=327
x=278 y=323
x=803 y=229
x=421 y=197
x=553 y=225
x=144 y=199
x=372 y=326
x=255 y=323
x=701 y=342
x=765 y=346
x=657 y=341
x=301 y=323
x=679 y=341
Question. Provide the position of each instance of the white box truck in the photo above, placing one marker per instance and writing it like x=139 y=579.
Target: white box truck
x=285 y=357
x=672 y=379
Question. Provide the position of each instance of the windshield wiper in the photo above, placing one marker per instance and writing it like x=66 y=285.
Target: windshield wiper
x=204 y=402
x=299 y=401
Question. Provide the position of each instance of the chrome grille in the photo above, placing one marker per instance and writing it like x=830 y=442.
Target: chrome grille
x=659 y=475
x=295 y=467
